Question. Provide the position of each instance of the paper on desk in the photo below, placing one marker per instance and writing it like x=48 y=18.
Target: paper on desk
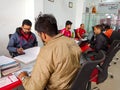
x=5 y=60
x=77 y=41
x=27 y=69
x=84 y=39
x=29 y=56
x=7 y=80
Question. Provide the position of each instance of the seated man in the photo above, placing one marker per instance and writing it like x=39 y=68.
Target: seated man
x=58 y=61
x=22 y=39
x=80 y=32
x=100 y=42
x=111 y=34
x=66 y=31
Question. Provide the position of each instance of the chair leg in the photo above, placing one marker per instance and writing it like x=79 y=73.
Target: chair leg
x=89 y=86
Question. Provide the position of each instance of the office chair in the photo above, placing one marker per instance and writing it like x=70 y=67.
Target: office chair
x=11 y=53
x=103 y=68
x=116 y=58
x=82 y=80
x=114 y=48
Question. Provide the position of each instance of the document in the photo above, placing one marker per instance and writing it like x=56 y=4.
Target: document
x=84 y=39
x=29 y=56
x=4 y=61
x=7 y=80
x=25 y=69
x=77 y=41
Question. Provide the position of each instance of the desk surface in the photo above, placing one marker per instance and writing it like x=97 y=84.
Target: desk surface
x=24 y=67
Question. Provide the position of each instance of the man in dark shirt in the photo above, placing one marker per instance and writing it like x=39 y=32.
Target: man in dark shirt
x=100 y=39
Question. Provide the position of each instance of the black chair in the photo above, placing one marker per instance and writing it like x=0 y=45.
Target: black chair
x=12 y=54
x=82 y=80
x=103 y=74
x=103 y=68
x=10 y=36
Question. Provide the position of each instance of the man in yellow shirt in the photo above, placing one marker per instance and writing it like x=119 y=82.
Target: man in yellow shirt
x=58 y=61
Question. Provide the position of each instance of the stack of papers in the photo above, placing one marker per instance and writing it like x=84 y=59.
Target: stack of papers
x=29 y=56
x=8 y=65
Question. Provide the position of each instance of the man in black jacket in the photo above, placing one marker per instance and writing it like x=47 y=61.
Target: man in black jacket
x=100 y=39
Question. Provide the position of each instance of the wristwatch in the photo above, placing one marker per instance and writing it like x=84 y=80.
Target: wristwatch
x=23 y=78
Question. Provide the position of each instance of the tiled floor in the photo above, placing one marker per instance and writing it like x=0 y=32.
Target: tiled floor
x=112 y=84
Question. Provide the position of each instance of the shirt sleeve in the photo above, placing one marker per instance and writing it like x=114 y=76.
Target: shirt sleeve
x=62 y=31
x=40 y=74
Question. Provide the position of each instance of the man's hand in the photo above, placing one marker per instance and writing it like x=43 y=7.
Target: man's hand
x=22 y=74
x=20 y=50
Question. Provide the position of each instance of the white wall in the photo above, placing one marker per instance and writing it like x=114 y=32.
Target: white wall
x=38 y=7
x=12 y=13
x=79 y=12
x=60 y=9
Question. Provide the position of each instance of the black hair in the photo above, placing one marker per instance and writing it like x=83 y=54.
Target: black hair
x=98 y=27
x=81 y=24
x=107 y=27
x=46 y=23
x=103 y=26
x=26 y=22
x=68 y=23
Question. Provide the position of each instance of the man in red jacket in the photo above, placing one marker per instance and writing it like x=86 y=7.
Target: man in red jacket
x=80 y=32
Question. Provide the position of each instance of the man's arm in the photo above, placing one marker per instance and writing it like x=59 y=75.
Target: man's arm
x=78 y=34
x=99 y=43
x=40 y=74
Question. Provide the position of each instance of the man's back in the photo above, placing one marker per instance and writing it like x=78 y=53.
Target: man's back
x=56 y=66
x=101 y=42
x=66 y=56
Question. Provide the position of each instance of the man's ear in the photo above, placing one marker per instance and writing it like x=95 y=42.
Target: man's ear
x=44 y=36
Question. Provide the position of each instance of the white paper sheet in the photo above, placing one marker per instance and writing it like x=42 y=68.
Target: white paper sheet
x=77 y=41
x=84 y=39
x=29 y=56
x=5 y=60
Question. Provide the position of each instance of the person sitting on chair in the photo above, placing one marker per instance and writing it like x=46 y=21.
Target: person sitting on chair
x=101 y=42
x=80 y=32
x=111 y=34
x=58 y=61
x=22 y=39
x=66 y=31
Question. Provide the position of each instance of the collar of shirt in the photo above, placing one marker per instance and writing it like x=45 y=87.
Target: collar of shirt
x=55 y=37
